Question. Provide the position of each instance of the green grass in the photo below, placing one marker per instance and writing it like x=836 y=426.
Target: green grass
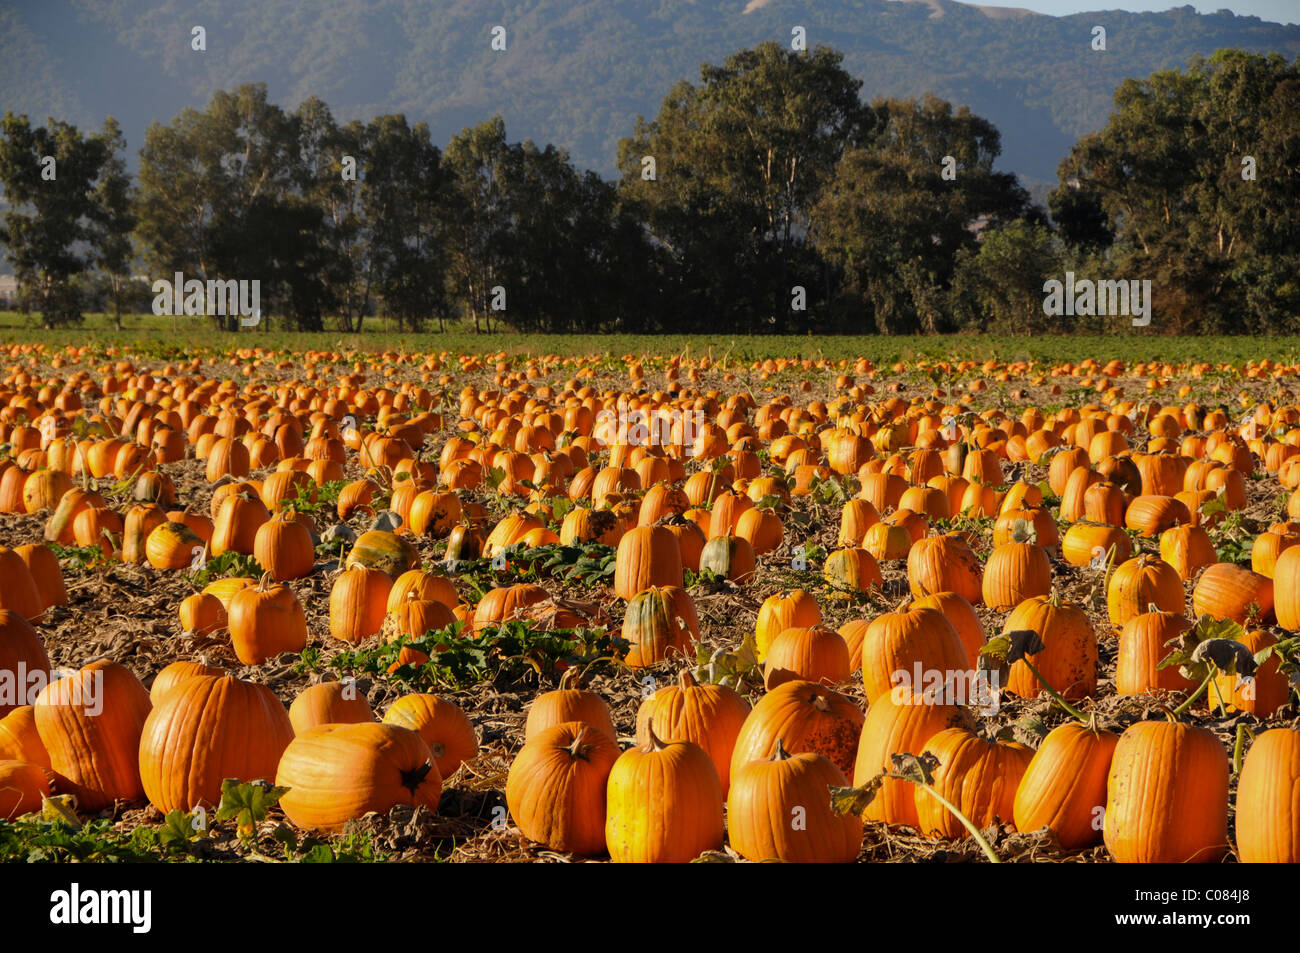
x=165 y=337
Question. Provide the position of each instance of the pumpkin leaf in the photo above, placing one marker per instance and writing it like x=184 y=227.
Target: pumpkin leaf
x=919 y=769
x=855 y=800
x=247 y=803
x=1184 y=646
x=1230 y=656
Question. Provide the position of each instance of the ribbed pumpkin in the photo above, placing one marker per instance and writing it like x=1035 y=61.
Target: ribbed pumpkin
x=1068 y=661
x=1015 y=572
x=1268 y=800
x=1152 y=515
x=663 y=804
x=264 y=621
x=1286 y=583
x=960 y=613
x=90 y=723
x=1064 y=786
x=660 y=622
x=897 y=643
x=444 y=727
x=1229 y=591
x=237 y=523
x=556 y=788
x=1188 y=549
x=24 y=664
x=19 y=739
x=337 y=773
x=977 y=776
x=779 y=809
x=507 y=602
x=944 y=564
x=175 y=673
x=423 y=585
x=329 y=703
x=358 y=603
x=899 y=722
x=647 y=556
x=283 y=547
x=781 y=611
x=1141 y=582
x=1167 y=795
x=808 y=717
x=205 y=730
x=813 y=654
x=709 y=715
x=568 y=704
x=1143 y=644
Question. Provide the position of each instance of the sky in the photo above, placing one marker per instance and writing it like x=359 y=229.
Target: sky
x=1278 y=11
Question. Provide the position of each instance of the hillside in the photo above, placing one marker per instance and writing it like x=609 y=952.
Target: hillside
x=578 y=73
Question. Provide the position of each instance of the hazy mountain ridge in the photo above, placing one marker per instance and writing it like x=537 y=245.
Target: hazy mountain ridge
x=578 y=73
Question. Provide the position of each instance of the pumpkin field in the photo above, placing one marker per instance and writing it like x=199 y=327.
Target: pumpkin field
x=507 y=604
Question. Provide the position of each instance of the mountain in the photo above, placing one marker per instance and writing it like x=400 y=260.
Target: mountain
x=578 y=72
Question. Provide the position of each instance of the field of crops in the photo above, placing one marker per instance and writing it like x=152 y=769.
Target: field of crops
x=482 y=599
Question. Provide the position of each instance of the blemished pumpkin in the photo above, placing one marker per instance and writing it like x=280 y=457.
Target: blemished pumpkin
x=660 y=623
x=808 y=717
x=1167 y=795
x=337 y=773
x=663 y=804
x=557 y=785
x=445 y=728
x=90 y=723
x=205 y=730
x=778 y=809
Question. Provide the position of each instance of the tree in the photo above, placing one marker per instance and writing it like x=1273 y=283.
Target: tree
x=57 y=182
x=112 y=217
x=903 y=205
x=478 y=232
x=739 y=162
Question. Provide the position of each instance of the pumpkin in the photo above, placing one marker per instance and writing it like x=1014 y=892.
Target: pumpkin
x=23 y=788
x=1094 y=544
x=1262 y=695
x=899 y=644
x=19 y=592
x=1014 y=572
x=1268 y=799
x=1068 y=661
x=444 y=727
x=781 y=611
x=977 y=776
x=1167 y=795
x=813 y=654
x=283 y=547
x=556 y=788
x=663 y=804
x=24 y=665
x=264 y=621
x=1064 y=786
x=660 y=622
x=325 y=703
x=19 y=739
x=172 y=545
x=205 y=730
x=1188 y=549
x=382 y=550
x=1141 y=582
x=175 y=673
x=423 y=585
x=1229 y=591
x=899 y=722
x=944 y=564
x=709 y=715
x=808 y=717
x=779 y=809
x=960 y=613
x=569 y=704
x=338 y=773
x=90 y=723
x=1143 y=645
x=851 y=571
x=238 y=522
x=647 y=556
x=358 y=603
x=202 y=613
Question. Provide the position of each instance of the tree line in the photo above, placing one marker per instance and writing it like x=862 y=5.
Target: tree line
x=769 y=196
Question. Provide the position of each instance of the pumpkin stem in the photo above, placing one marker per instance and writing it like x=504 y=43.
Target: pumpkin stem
x=655 y=743
x=578 y=748
x=261 y=583
x=781 y=754
x=570 y=679
x=686 y=680
x=820 y=703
